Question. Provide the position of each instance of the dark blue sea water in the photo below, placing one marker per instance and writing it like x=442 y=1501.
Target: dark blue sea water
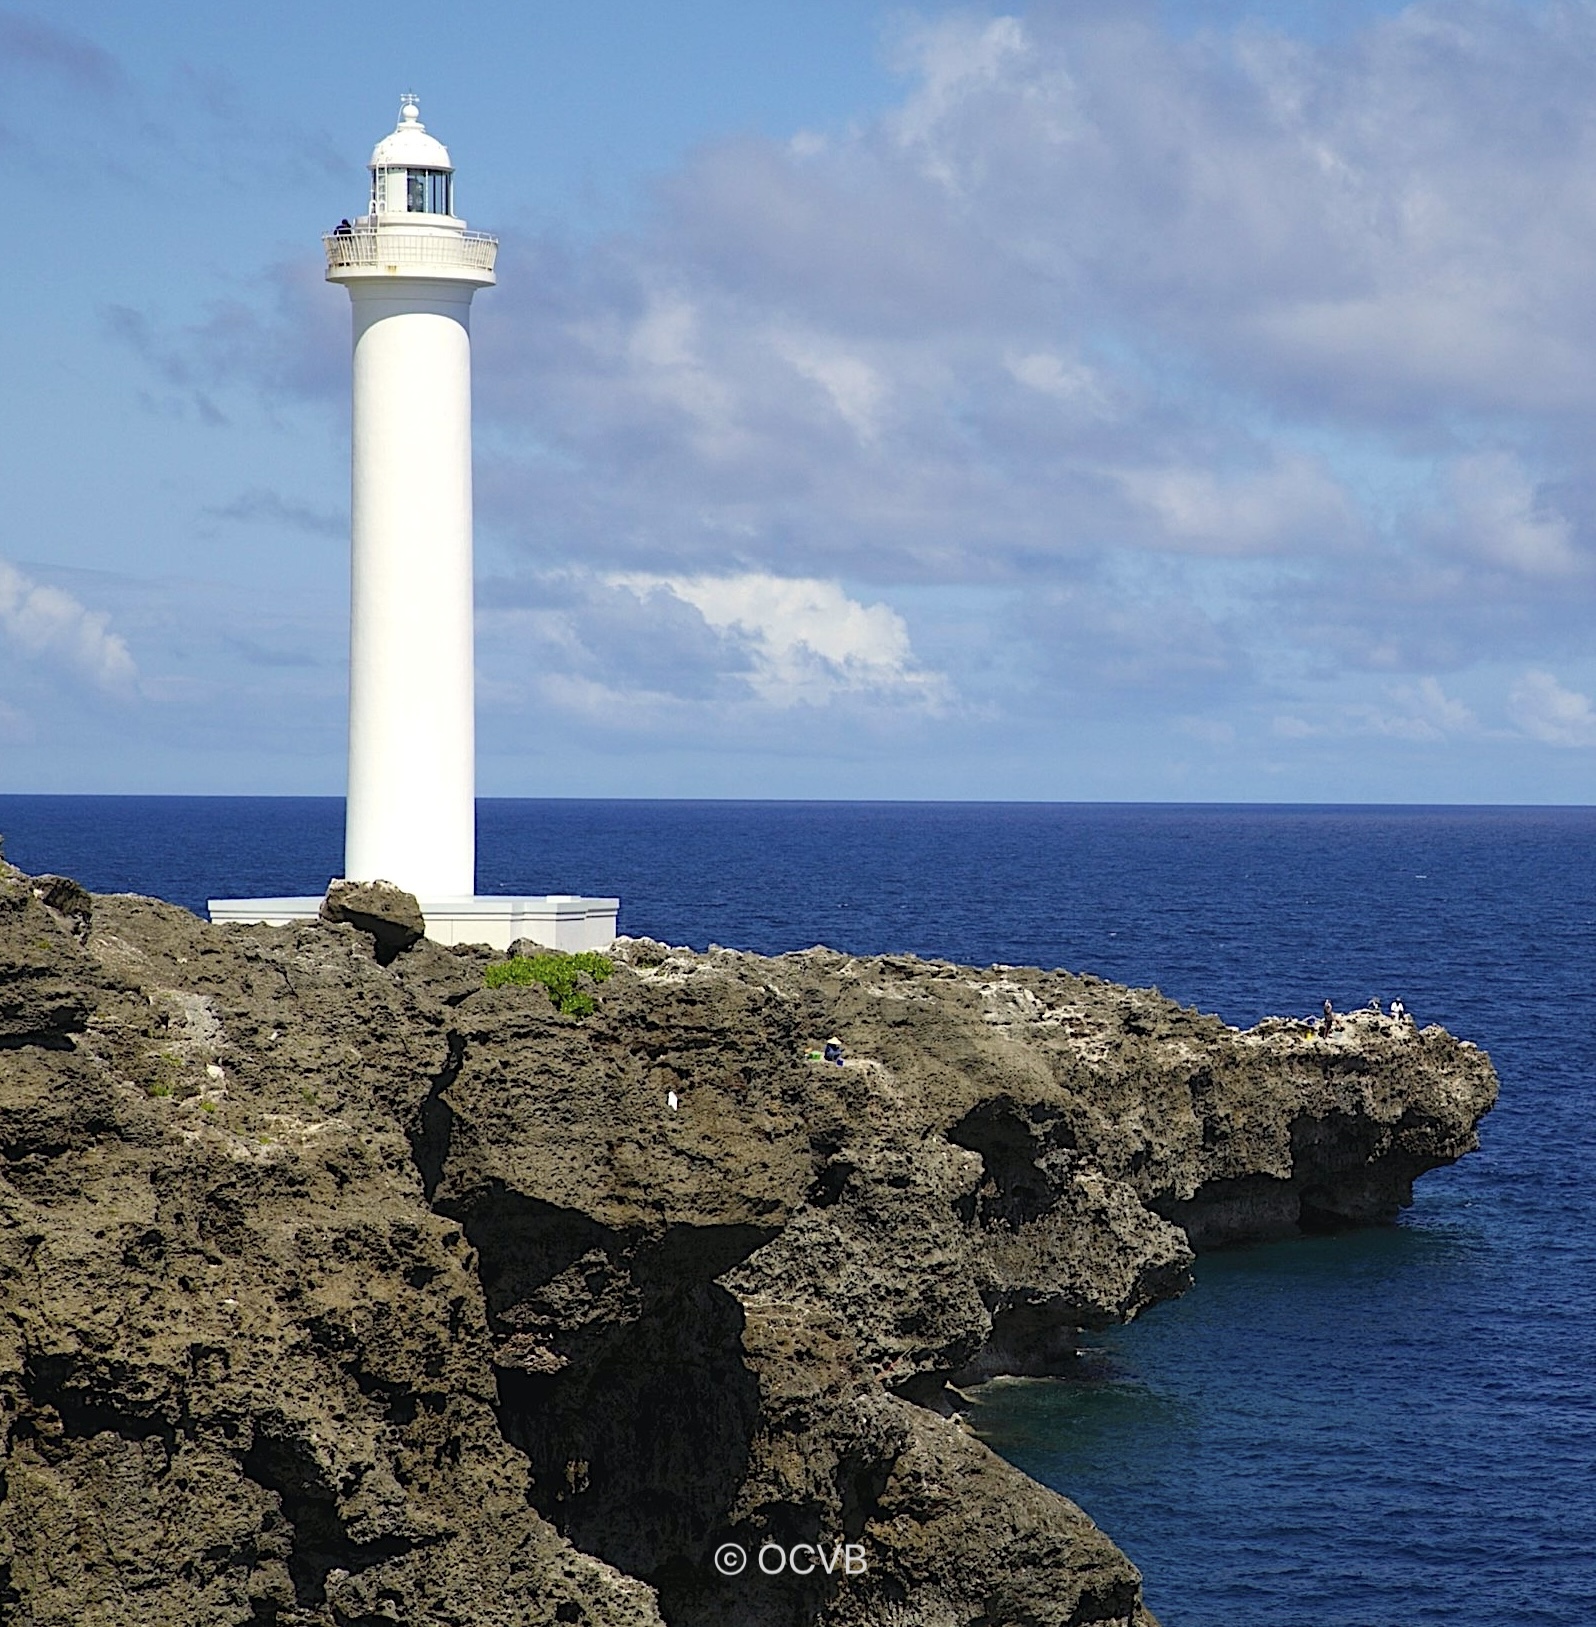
x=1376 y=1430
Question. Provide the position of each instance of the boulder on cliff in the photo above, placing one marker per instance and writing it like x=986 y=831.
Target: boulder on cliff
x=389 y=915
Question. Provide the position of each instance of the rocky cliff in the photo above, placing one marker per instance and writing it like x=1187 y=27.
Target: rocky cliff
x=340 y=1288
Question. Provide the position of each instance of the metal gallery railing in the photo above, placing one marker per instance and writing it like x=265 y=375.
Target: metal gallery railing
x=385 y=246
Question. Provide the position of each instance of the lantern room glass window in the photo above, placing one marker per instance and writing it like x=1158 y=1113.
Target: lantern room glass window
x=427 y=192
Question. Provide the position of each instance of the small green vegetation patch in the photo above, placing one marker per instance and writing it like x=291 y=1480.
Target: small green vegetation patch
x=169 y=1080
x=557 y=973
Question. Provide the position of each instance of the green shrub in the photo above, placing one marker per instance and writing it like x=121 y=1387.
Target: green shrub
x=168 y=1080
x=557 y=973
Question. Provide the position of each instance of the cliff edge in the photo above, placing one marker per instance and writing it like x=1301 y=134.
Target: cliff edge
x=342 y=1290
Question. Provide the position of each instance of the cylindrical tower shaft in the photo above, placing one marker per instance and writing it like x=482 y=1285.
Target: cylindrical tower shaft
x=411 y=268
x=412 y=773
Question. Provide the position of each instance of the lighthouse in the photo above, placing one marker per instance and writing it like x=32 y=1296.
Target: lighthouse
x=412 y=267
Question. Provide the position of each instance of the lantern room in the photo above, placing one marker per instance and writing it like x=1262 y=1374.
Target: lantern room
x=410 y=170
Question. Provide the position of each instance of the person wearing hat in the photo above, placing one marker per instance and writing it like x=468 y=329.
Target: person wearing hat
x=834 y=1050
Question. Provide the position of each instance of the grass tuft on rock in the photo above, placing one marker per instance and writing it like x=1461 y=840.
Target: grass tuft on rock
x=557 y=973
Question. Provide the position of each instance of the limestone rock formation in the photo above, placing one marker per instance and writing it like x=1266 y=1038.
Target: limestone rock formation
x=340 y=1288
x=388 y=913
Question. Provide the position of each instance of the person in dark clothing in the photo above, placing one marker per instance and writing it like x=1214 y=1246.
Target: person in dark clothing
x=1329 y=1019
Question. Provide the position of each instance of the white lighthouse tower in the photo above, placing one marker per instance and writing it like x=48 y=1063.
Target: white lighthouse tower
x=411 y=268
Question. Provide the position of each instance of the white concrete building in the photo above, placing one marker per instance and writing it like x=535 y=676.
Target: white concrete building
x=411 y=268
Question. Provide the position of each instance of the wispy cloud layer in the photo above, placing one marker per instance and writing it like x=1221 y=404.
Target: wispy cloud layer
x=1224 y=382
x=37 y=44
x=264 y=507
x=1548 y=712
x=1292 y=325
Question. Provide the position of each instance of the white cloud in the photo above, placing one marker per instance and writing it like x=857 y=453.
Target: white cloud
x=1268 y=512
x=955 y=59
x=664 y=348
x=1420 y=712
x=46 y=622
x=1430 y=711
x=851 y=384
x=1546 y=711
x=1067 y=381
x=1500 y=518
x=809 y=643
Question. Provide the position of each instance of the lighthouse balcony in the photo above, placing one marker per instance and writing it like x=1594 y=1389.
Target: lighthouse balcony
x=371 y=251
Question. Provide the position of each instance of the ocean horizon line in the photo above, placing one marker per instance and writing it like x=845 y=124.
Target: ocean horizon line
x=832 y=802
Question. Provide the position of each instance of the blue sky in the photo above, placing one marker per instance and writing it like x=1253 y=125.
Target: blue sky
x=1067 y=400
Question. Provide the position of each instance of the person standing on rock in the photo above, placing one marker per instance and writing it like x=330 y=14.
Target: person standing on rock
x=1329 y=1019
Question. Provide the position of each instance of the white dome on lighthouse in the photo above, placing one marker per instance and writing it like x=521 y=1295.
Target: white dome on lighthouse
x=410 y=227
x=410 y=147
x=410 y=171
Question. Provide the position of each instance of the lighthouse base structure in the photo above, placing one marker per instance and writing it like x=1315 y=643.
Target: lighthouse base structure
x=563 y=921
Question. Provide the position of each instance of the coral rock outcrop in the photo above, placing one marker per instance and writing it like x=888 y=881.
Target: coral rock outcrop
x=340 y=1288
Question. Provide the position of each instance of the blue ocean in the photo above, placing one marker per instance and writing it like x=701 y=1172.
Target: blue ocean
x=1379 y=1429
